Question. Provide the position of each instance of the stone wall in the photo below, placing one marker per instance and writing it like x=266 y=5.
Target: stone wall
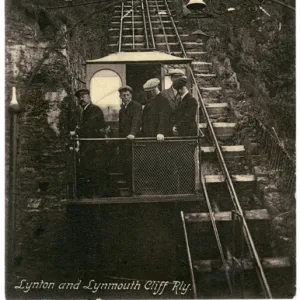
x=44 y=61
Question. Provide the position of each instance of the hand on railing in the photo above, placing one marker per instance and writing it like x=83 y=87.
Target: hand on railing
x=174 y=130
x=160 y=137
x=131 y=137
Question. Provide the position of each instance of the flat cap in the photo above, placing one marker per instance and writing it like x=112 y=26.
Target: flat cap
x=177 y=72
x=151 y=84
x=180 y=82
x=82 y=92
x=125 y=88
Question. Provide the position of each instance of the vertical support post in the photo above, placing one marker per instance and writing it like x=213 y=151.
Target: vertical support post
x=233 y=216
x=14 y=109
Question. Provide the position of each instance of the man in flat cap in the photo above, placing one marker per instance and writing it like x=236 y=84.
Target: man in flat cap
x=93 y=162
x=185 y=113
x=170 y=93
x=157 y=114
x=130 y=120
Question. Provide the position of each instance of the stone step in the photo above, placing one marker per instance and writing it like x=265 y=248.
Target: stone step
x=217 y=188
x=212 y=265
x=115 y=31
x=159 y=38
x=139 y=11
x=228 y=151
x=191 y=54
x=205 y=75
x=194 y=47
x=139 y=38
x=139 y=17
x=226 y=216
x=215 y=179
x=223 y=130
x=126 y=46
x=140 y=24
x=211 y=100
x=211 y=89
x=127 y=7
x=201 y=66
x=217 y=109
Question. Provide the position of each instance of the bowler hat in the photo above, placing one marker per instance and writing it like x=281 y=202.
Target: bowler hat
x=176 y=72
x=179 y=82
x=82 y=92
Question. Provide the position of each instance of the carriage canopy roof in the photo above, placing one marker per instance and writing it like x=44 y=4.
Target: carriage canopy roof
x=140 y=57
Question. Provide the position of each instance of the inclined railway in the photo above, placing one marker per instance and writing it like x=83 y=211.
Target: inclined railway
x=225 y=230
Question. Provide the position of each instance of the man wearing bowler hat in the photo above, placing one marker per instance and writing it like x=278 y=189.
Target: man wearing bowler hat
x=130 y=119
x=171 y=94
x=185 y=113
x=157 y=114
x=93 y=161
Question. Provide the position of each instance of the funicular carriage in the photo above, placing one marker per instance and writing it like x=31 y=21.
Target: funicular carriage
x=135 y=235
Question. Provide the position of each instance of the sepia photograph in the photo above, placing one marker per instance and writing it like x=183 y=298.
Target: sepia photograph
x=150 y=149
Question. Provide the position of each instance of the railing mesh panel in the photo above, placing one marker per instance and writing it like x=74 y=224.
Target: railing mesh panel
x=162 y=168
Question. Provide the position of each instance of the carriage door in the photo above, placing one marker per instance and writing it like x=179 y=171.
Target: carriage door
x=104 y=85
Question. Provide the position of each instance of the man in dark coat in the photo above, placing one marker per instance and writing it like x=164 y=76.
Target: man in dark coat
x=157 y=114
x=92 y=177
x=130 y=119
x=171 y=94
x=185 y=114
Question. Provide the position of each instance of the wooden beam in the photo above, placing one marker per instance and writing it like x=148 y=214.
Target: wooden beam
x=210 y=265
x=226 y=216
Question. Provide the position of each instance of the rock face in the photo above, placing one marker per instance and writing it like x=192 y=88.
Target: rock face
x=45 y=64
x=255 y=52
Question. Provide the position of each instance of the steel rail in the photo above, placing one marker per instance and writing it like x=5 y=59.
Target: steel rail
x=228 y=180
x=162 y=27
x=216 y=232
x=145 y=24
x=121 y=27
x=133 y=42
x=174 y=138
x=150 y=26
x=189 y=256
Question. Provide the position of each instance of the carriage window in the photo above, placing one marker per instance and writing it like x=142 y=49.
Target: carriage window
x=168 y=82
x=104 y=93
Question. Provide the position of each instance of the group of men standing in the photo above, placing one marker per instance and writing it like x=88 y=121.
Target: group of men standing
x=168 y=113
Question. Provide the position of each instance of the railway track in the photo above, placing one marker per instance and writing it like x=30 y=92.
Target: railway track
x=226 y=238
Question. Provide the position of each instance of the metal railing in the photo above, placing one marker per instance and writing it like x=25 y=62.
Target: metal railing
x=279 y=158
x=229 y=183
x=121 y=27
x=147 y=166
x=145 y=24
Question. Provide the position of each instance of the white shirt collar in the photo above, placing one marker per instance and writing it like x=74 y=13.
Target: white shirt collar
x=125 y=105
x=184 y=95
x=86 y=106
x=175 y=91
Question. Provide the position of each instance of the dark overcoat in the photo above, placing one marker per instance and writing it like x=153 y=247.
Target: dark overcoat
x=130 y=119
x=157 y=117
x=92 y=122
x=185 y=116
x=93 y=154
